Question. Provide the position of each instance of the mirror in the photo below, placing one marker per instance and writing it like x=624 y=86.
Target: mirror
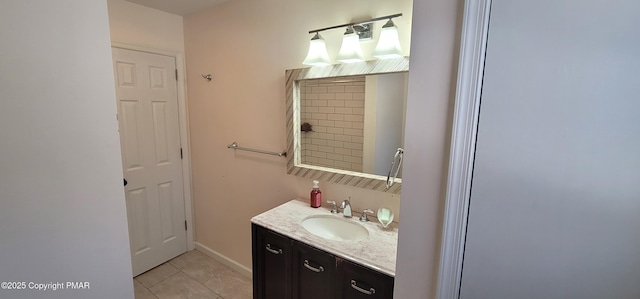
x=345 y=122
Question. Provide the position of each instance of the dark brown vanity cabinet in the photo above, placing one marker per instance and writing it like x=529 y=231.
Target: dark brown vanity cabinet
x=287 y=269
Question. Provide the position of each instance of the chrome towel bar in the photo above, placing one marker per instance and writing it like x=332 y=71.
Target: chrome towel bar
x=235 y=146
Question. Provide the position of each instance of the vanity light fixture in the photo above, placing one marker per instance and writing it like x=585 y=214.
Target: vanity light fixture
x=350 y=51
x=389 y=42
x=317 y=55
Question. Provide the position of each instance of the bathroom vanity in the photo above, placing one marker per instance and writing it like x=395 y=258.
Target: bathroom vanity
x=289 y=261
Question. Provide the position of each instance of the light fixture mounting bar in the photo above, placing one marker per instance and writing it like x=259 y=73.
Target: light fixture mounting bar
x=356 y=23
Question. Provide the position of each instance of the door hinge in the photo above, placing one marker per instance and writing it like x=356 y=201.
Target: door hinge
x=185 y=225
x=176 y=74
x=181 y=156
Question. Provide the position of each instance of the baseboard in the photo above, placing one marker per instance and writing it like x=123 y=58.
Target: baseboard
x=223 y=259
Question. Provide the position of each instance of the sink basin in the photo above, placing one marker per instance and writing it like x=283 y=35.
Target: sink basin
x=333 y=228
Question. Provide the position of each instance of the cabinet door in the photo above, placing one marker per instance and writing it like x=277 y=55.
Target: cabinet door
x=271 y=264
x=313 y=272
x=357 y=282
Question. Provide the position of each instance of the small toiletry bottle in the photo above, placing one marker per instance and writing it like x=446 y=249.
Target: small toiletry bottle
x=316 y=196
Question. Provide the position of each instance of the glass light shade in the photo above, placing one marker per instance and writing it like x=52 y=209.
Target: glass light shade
x=350 y=50
x=389 y=43
x=317 y=55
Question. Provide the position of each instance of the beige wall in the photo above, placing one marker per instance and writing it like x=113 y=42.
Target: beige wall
x=246 y=46
x=141 y=26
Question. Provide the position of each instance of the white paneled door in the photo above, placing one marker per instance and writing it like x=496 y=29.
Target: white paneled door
x=151 y=156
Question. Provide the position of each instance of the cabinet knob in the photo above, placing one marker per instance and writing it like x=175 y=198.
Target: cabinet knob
x=354 y=285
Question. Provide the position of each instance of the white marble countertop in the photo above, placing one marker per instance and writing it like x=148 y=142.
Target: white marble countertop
x=378 y=251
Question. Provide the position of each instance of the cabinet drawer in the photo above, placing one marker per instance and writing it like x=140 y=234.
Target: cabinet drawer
x=313 y=272
x=272 y=265
x=358 y=282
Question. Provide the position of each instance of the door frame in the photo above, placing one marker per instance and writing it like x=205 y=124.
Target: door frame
x=183 y=122
x=473 y=42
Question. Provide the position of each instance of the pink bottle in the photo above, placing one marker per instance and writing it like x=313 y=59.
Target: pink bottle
x=316 y=196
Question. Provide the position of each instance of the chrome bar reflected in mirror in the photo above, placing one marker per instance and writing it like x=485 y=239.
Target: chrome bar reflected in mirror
x=397 y=163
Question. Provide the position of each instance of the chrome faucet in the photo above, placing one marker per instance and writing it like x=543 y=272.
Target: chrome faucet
x=346 y=208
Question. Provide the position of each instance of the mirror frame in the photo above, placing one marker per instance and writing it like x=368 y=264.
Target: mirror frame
x=332 y=175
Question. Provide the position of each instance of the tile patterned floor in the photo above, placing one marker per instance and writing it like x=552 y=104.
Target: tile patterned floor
x=192 y=275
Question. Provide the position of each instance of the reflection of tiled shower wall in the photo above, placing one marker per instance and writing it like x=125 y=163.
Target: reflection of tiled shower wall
x=335 y=109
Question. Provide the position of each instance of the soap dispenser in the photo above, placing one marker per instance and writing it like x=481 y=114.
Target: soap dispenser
x=316 y=196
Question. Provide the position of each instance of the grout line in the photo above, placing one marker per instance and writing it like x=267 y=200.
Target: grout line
x=150 y=292
x=159 y=282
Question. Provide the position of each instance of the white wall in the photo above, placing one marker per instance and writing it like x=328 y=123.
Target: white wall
x=432 y=78
x=138 y=25
x=62 y=215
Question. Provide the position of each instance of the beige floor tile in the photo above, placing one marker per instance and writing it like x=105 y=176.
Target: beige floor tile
x=156 y=275
x=181 y=286
x=141 y=292
x=197 y=265
x=230 y=285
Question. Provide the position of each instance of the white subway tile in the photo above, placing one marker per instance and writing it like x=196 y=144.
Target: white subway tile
x=346 y=138
x=334 y=143
x=326 y=162
x=335 y=131
x=326 y=136
x=354 y=88
x=358 y=96
x=318 y=116
x=318 y=154
x=344 y=96
x=355 y=104
x=343 y=124
x=346 y=111
x=335 y=157
x=353 y=159
x=354 y=118
x=342 y=151
x=336 y=103
x=353 y=132
x=336 y=117
x=319 y=89
x=317 y=141
x=319 y=103
x=327 y=123
x=326 y=110
x=343 y=165
x=337 y=88
x=326 y=96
